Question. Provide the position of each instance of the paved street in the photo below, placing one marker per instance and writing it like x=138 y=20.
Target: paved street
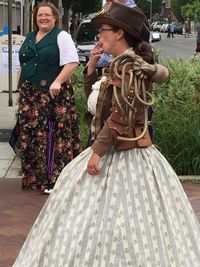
x=179 y=46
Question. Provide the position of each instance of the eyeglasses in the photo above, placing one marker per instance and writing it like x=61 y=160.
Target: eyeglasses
x=44 y=15
x=104 y=29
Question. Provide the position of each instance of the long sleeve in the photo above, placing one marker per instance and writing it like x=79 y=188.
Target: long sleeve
x=89 y=80
x=105 y=140
x=161 y=75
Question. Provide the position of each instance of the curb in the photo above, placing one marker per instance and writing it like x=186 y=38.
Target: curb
x=189 y=177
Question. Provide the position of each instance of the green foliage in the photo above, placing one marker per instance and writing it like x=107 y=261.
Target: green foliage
x=176 y=119
x=191 y=10
x=91 y=6
x=78 y=85
x=81 y=5
x=145 y=6
x=176 y=8
x=177 y=116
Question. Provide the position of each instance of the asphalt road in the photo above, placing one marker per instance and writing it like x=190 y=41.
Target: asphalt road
x=179 y=46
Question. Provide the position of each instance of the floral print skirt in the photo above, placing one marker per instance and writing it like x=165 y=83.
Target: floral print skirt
x=49 y=134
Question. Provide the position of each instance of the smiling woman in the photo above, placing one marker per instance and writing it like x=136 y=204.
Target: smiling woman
x=47 y=110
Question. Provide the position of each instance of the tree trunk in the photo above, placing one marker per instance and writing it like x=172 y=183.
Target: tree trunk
x=27 y=16
x=65 y=19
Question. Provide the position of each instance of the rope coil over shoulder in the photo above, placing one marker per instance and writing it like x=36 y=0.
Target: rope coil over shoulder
x=132 y=71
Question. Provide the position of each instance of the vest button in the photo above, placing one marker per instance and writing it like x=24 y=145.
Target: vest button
x=24 y=63
x=23 y=55
x=43 y=82
x=35 y=64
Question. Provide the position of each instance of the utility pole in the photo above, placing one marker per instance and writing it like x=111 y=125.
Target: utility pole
x=150 y=9
x=10 y=101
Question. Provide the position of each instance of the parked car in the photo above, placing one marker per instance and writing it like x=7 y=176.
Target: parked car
x=151 y=25
x=155 y=37
x=157 y=25
x=164 y=27
x=86 y=37
x=178 y=27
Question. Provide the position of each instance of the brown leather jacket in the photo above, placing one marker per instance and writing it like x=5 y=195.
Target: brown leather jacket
x=109 y=122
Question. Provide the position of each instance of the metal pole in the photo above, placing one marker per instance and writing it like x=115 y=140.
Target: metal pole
x=22 y=17
x=151 y=10
x=10 y=101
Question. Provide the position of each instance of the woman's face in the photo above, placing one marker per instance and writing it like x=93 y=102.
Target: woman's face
x=119 y=1
x=45 y=19
x=107 y=38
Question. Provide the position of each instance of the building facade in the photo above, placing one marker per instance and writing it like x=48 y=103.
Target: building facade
x=17 y=11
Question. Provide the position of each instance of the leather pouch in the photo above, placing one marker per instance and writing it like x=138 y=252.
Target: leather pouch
x=119 y=126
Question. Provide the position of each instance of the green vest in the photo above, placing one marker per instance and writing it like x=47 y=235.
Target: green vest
x=40 y=61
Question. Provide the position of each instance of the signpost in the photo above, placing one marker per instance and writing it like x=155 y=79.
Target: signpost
x=10 y=101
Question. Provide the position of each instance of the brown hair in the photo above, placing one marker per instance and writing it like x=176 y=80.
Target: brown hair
x=141 y=48
x=54 y=10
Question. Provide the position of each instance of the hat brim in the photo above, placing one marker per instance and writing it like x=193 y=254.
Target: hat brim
x=99 y=20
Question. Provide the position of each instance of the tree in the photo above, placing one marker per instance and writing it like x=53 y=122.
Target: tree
x=27 y=15
x=79 y=6
x=145 y=6
x=176 y=8
x=91 y=7
x=191 y=11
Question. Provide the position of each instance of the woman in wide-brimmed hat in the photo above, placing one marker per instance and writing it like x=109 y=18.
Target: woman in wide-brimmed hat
x=119 y=203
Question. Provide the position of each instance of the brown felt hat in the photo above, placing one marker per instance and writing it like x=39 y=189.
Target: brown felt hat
x=115 y=14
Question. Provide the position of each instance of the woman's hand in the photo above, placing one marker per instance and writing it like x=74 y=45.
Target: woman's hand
x=93 y=167
x=96 y=51
x=94 y=57
x=54 y=89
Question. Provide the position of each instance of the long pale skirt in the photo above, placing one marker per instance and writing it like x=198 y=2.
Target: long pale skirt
x=134 y=213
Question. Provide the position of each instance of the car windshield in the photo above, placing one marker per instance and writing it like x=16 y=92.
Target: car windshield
x=87 y=33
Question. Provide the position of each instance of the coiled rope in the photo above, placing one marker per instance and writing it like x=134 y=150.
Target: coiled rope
x=132 y=65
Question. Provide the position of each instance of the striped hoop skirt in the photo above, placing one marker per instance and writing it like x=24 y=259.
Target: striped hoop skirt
x=134 y=213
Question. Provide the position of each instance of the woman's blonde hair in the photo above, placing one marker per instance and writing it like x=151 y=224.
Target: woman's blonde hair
x=54 y=10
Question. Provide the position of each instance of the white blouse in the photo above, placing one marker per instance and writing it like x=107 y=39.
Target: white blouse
x=92 y=99
x=68 y=53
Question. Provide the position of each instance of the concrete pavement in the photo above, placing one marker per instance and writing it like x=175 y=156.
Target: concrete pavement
x=9 y=162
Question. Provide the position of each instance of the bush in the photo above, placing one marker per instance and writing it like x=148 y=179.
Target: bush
x=177 y=116
x=81 y=103
x=176 y=119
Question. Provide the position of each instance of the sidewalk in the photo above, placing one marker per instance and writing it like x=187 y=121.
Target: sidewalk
x=9 y=163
